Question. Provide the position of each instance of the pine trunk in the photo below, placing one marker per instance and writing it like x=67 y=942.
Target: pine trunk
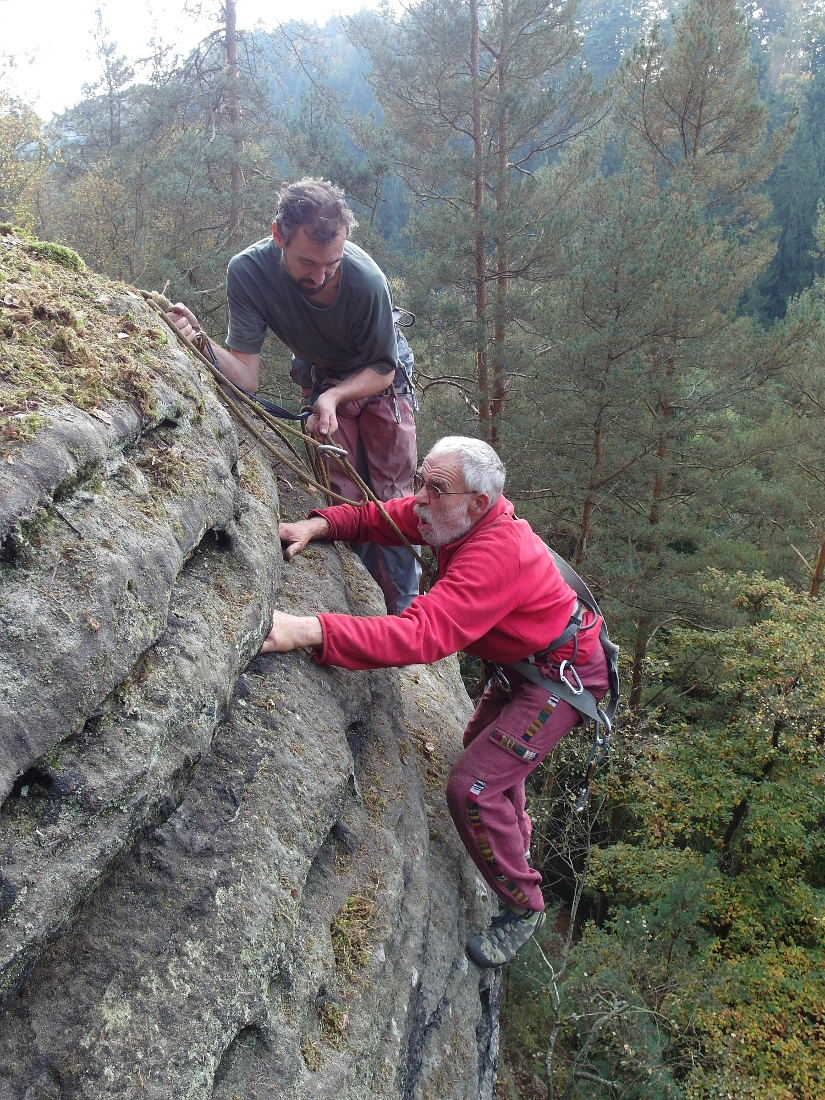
x=819 y=572
x=590 y=497
x=502 y=257
x=479 y=243
x=639 y=650
x=234 y=102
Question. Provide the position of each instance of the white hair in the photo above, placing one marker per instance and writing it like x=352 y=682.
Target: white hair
x=483 y=470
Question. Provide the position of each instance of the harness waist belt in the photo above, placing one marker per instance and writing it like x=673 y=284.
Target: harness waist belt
x=581 y=700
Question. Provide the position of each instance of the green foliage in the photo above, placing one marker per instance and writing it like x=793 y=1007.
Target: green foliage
x=638 y=397
x=796 y=188
x=466 y=160
x=706 y=978
x=146 y=181
x=23 y=160
x=767 y=1039
x=650 y=430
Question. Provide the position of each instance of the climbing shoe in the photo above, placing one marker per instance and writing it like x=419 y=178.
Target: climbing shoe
x=508 y=933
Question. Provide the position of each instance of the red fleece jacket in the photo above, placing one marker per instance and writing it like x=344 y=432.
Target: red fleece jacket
x=498 y=595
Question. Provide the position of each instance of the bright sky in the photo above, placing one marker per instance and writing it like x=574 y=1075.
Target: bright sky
x=53 y=51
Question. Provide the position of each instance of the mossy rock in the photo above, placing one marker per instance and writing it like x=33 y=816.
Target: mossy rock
x=64 y=340
x=58 y=254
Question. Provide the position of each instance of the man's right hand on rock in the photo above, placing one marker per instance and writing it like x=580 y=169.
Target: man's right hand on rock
x=296 y=536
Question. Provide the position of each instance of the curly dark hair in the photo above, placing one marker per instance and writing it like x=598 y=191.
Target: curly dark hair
x=318 y=205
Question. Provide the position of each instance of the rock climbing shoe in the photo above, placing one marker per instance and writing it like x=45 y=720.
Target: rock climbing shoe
x=508 y=933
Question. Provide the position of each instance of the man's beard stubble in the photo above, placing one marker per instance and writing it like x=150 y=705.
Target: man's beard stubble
x=307 y=291
x=444 y=530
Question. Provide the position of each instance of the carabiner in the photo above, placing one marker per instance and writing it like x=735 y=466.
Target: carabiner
x=577 y=690
x=605 y=721
x=500 y=678
x=331 y=449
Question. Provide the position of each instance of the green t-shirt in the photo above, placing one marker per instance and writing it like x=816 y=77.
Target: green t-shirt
x=356 y=331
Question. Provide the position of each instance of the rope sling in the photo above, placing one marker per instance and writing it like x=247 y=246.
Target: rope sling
x=314 y=469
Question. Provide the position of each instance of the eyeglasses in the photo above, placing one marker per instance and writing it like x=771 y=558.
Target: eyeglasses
x=434 y=490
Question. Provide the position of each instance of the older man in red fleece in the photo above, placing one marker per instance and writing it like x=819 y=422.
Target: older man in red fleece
x=499 y=596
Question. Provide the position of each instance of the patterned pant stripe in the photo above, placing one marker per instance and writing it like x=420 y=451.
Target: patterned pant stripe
x=517 y=892
x=540 y=719
x=474 y=817
x=509 y=743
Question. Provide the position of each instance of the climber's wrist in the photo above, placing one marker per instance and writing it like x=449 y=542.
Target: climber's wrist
x=290 y=632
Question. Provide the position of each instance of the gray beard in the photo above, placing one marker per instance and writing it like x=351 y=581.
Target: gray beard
x=443 y=531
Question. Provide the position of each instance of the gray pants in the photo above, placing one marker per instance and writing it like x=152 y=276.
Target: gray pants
x=395 y=570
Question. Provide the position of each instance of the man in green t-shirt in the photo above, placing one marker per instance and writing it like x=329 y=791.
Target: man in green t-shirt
x=330 y=303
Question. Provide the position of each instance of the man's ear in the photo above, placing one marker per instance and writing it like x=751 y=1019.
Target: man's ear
x=479 y=505
x=276 y=233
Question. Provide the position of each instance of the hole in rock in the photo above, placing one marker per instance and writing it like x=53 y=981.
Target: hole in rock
x=242 y=1060
x=36 y=782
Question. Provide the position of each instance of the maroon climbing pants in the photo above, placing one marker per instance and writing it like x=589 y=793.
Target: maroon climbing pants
x=508 y=736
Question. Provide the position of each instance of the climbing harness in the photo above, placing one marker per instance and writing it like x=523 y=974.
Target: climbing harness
x=569 y=687
x=403 y=383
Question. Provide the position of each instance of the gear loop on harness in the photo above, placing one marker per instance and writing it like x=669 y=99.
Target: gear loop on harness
x=601 y=747
x=502 y=679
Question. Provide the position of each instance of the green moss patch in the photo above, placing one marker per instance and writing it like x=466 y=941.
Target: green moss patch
x=58 y=254
x=354 y=929
x=59 y=342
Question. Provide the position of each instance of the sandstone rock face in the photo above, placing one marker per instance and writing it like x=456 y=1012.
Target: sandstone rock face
x=221 y=875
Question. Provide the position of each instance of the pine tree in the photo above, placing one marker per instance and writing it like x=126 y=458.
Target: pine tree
x=696 y=136
x=477 y=97
x=165 y=180
x=795 y=188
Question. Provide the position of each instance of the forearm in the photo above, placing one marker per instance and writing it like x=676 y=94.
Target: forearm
x=366 y=383
x=243 y=372
x=317 y=527
x=243 y=369
x=366 y=523
x=301 y=631
x=387 y=641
